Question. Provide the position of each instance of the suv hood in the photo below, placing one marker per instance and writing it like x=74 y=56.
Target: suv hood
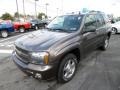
x=39 y=40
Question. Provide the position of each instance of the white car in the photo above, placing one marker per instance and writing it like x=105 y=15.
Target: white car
x=116 y=27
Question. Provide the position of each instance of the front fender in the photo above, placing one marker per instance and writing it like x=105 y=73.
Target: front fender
x=59 y=54
x=68 y=48
x=64 y=46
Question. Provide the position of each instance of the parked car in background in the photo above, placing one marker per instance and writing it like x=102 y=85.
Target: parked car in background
x=6 y=28
x=47 y=21
x=116 y=27
x=57 y=50
x=36 y=24
x=21 y=26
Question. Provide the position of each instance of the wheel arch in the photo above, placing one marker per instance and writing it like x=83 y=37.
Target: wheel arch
x=75 y=51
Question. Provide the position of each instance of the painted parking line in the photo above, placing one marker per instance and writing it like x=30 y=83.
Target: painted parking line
x=13 y=37
x=2 y=45
x=10 y=45
x=6 y=51
x=7 y=44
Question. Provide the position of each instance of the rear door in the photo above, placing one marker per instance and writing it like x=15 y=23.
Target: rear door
x=101 y=28
x=89 y=36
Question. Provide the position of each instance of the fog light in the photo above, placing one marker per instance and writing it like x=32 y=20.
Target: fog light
x=37 y=75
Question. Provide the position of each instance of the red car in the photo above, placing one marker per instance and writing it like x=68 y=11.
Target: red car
x=22 y=26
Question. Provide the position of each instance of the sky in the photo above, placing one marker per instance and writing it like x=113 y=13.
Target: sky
x=58 y=7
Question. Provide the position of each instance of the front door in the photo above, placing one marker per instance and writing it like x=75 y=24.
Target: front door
x=89 y=36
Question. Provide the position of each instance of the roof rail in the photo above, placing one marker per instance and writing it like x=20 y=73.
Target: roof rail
x=93 y=11
x=77 y=12
x=90 y=11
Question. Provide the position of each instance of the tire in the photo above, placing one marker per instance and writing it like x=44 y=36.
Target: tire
x=114 y=30
x=106 y=44
x=4 y=34
x=66 y=72
x=21 y=29
x=36 y=28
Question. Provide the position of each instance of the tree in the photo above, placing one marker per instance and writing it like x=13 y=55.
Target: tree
x=16 y=14
x=21 y=15
x=6 y=16
x=41 y=15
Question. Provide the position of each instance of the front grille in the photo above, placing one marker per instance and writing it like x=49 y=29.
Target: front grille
x=22 y=54
x=22 y=50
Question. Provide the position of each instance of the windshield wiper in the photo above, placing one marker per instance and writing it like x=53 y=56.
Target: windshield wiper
x=60 y=29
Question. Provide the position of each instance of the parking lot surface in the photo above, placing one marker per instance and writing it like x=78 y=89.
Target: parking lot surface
x=99 y=71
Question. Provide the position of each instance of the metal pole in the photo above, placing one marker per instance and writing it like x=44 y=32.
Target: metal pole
x=57 y=11
x=62 y=6
x=46 y=8
x=24 y=10
x=36 y=8
x=17 y=10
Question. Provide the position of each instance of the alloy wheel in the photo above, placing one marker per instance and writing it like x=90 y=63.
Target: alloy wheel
x=36 y=27
x=69 y=69
x=106 y=43
x=4 y=34
x=114 y=30
x=22 y=30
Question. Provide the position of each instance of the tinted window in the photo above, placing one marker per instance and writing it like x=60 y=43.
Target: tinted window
x=90 y=23
x=100 y=20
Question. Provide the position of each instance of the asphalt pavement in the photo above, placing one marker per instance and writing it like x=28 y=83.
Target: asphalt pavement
x=99 y=71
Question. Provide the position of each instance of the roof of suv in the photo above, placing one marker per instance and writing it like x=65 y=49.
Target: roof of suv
x=90 y=12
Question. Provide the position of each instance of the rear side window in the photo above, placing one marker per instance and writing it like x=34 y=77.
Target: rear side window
x=90 y=19
x=90 y=23
x=100 y=20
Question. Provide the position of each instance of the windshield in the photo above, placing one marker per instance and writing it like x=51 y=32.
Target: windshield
x=33 y=21
x=66 y=23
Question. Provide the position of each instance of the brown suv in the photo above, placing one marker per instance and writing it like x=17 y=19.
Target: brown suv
x=57 y=50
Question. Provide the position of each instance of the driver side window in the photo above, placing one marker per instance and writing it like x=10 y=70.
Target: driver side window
x=90 y=23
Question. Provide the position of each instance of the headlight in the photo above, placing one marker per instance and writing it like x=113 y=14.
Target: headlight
x=40 y=57
x=33 y=24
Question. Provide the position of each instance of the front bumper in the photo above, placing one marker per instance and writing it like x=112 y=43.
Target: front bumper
x=33 y=27
x=45 y=72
